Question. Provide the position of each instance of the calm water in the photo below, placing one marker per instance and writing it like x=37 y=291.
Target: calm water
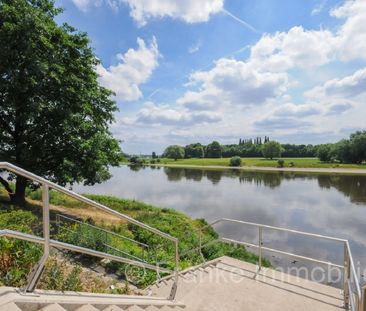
x=325 y=204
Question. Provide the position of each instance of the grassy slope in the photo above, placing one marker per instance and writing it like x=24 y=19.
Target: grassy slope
x=260 y=162
x=168 y=220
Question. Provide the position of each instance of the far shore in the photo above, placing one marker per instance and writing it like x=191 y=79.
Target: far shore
x=350 y=171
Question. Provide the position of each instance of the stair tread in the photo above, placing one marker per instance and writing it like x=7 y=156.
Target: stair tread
x=87 y=308
x=53 y=307
x=10 y=307
x=113 y=308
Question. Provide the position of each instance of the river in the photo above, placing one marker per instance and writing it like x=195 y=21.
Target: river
x=333 y=205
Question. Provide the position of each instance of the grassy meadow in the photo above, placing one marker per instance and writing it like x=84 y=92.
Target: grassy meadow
x=261 y=162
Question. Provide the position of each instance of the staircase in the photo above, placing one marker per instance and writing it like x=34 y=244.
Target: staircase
x=228 y=284
x=12 y=300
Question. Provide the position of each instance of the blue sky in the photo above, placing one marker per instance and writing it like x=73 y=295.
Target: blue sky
x=199 y=70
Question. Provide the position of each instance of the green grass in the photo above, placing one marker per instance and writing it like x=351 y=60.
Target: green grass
x=260 y=162
x=167 y=220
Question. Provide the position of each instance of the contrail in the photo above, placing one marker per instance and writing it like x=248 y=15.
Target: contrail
x=240 y=21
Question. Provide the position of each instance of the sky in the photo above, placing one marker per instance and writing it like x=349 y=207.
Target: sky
x=203 y=70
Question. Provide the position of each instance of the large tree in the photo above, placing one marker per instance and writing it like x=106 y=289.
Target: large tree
x=54 y=115
x=174 y=152
x=214 y=150
x=271 y=149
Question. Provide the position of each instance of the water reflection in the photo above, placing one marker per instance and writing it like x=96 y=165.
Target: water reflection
x=324 y=204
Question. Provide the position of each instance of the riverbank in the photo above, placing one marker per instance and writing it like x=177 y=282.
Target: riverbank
x=28 y=218
x=303 y=165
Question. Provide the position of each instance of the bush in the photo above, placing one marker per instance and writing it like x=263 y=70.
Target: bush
x=324 y=153
x=291 y=164
x=281 y=163
x=235 y=161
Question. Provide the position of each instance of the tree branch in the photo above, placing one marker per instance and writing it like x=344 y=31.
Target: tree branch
x=6 y=186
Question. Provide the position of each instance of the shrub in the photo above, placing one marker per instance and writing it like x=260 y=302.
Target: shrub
x=324 y=153
x=291 y=164
x=235 y=161
x=281 y=163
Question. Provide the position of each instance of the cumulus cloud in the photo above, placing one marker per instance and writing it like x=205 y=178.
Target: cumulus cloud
x=351 y=37
x=295 y=48
x=152 y=114
x=292 y=110
x=337 y=109
x=134 y=68
x=277 y=123
x=232 y=82
x=349 y=86
x=142 y=11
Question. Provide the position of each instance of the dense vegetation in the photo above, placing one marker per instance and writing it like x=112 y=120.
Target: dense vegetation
x=352 y=150
x=54 y=115
x=18 y=257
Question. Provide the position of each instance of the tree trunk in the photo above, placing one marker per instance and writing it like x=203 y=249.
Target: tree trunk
x=19 y=196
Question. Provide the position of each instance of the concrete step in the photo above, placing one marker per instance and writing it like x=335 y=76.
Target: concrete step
x=10 y=307
x=87 y=307
x=53 y=307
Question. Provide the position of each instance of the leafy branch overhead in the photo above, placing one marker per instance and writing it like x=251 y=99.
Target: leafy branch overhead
x=54 y=115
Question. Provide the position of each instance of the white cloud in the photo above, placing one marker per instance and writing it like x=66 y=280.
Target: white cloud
x=135 y=67
x=295 y=48
x=319 y=8
x=232 y=82
x=292 y=110
x=195 y=47
x=351 y=37
x=190 y=11
x=349 y=86
x=151 y=114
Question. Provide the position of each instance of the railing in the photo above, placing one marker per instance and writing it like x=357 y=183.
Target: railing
x=354 y=299
x=47 y=242
x=60 y=219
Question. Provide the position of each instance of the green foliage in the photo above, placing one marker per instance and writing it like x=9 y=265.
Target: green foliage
x=281 y=163
x=358 y=146
x=271 y=149
x=54 y=115
x=174 y=152
x=57 y=278
x=214 y=150
x=194 y=151
x=135 y=160
x=17 y=257
x=235 y=161
x=324 y=153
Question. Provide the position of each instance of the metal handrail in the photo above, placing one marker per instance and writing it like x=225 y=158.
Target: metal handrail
x=47 y=242
x=58 y=216
x=350 y=275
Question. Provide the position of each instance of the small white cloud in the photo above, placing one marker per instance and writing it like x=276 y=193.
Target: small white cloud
x=135 y=67
x=195 y=47
x=319 y=8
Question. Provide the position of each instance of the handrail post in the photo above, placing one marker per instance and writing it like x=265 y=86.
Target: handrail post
x=362 y=307
x=260 y=242
x=176 y=274
x=346 y=277
x=38 y=269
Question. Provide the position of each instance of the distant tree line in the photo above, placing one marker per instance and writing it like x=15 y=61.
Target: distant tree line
x=352 y=150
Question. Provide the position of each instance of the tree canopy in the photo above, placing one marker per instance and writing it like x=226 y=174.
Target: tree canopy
x=214 y=150
x=174 y=152
x=271 y=149
x=54 y=115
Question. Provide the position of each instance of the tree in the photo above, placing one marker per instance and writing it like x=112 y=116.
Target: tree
x=194 y=151
x=324 y=153
x=214 y=150
x=54 y=115
x=153 y=155
x=358 y=146
x=174 y=152
x=271 y=149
